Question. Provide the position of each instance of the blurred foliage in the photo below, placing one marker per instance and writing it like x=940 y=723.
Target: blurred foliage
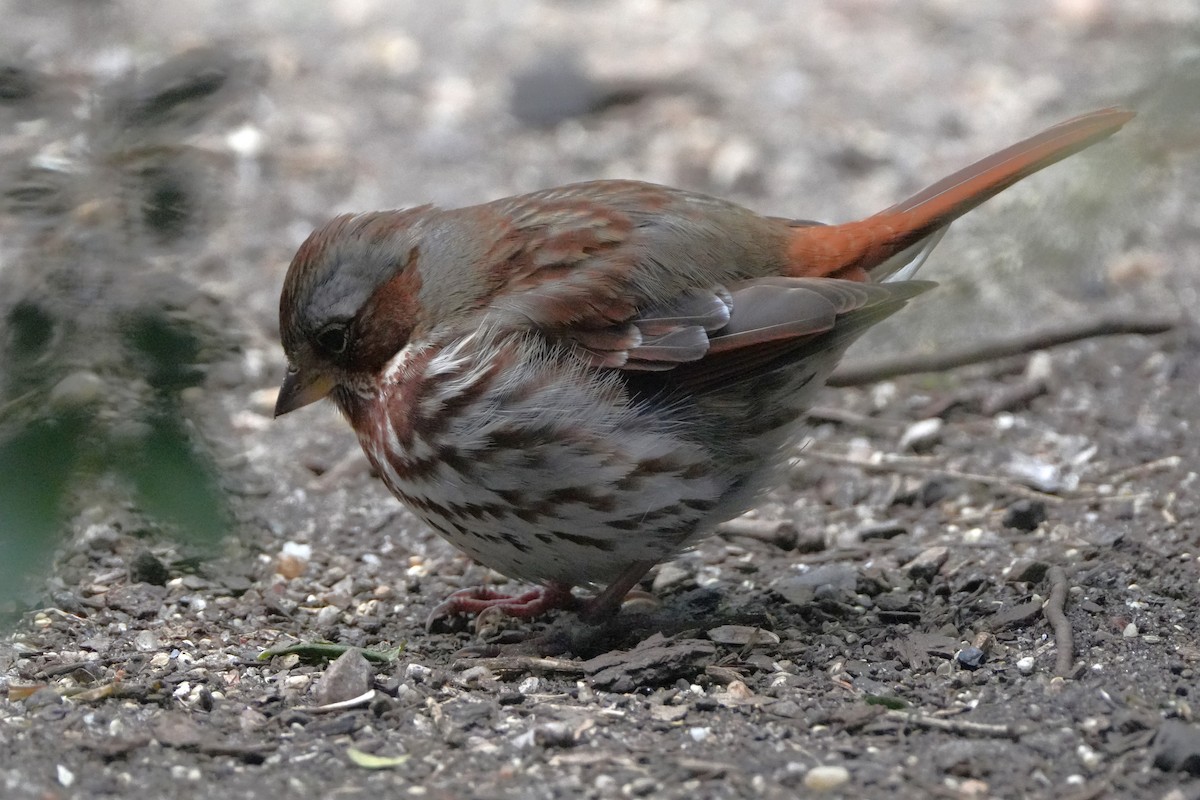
x=104 y=328
x=175 y=481
x=36 y=464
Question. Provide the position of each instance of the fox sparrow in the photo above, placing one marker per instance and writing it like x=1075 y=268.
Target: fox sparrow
x=573 y=385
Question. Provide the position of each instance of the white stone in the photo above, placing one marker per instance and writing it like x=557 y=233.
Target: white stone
x=826 y=777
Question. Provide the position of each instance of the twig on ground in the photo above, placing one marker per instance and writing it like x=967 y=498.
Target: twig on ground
x=509 y=665
x=1017 y=395
x=778 y=532
x=1141 y=470
x=1116 y=325
x=1063 y=638
x=959 y=726
x=842 y=416
x=893 y=463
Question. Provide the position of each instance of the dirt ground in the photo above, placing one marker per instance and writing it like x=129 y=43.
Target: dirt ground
x=884 y=625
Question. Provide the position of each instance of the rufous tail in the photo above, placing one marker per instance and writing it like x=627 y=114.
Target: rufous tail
x=867 y=249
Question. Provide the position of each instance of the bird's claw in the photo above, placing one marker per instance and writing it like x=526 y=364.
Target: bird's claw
x=478 y=599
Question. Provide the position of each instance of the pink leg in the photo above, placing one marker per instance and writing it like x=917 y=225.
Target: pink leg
x=536 y=602
x=608 y=602
x=527 y=605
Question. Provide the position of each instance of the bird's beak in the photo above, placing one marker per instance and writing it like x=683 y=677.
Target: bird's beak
x=299 y=390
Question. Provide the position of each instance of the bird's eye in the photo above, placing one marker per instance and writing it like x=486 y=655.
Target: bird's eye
x=334 y=338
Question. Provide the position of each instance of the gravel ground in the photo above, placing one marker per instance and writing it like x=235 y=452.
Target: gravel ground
x=885 y=624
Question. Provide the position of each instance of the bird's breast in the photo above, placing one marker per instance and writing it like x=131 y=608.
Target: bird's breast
x=533 y=465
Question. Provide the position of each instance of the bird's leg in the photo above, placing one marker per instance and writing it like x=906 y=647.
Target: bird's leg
x=608 y=602
x=536 y=602
x=526 y=605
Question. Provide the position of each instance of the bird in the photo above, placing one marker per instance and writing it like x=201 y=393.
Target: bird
x=576 y=384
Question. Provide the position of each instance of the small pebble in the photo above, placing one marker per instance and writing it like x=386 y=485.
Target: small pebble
x=1036 y=474
x=476 y=676
x=737 y=690
x=1029 y=571
x=1089 y=757
x=825 y=778
x=973 y=788
x=1025 y=665
x=922 y=435
x=290 y=566
x=970 y=658
x=669 y=575
x=1177 y=748
x=927 y=564
x=933 y=491
x=417 y=673
x=327 y=616
x=298 y=549
x=42 y=698
x=349 y=676
x=147 y=568
x=1131 y=631
x=1025 y=515
x=77 y=390
x=145 y=641
x=740 y=635
x=554 y=734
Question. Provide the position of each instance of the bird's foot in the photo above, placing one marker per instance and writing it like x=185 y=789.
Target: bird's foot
x=479 y=599
x=489 y=604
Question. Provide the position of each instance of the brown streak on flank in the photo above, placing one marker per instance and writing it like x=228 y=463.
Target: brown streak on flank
x=458 y=513
x=415 y=470
x=668 y=465
x=512 y=540
x=529 y=515
x=520 y=439
x=629 y=483
x=584 y=496
x=427 y=506
x=588 y=541
x=534 y=511
x=454 y=459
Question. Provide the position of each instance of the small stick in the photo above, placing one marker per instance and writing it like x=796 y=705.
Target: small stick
x=953 y=725
x=1064 y=639
x=907 y=466
x=1116 y=325
x=1142 y=470
x=778 y=532
x=508 y=665
x=842 y=416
